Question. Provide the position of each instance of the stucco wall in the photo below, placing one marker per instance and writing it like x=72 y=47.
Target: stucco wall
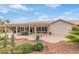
x=60 y=28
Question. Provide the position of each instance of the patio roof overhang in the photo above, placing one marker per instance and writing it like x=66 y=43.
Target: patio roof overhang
x=32 y=24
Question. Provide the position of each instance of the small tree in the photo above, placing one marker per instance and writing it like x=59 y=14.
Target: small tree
x=74 y=35
x=37 y=38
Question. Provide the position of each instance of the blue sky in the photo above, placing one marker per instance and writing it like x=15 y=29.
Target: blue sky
x=23 y=13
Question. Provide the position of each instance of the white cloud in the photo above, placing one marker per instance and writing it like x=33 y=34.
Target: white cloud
x=53 y=5
x=19 y=6
x=59 y=17
x=31 y=9
x=68 y=13
x=43 y=18
x=73 y=11
x=36 y=13
x=66 y=18
x=3 y=11
x=73 y=18
x=21 y=20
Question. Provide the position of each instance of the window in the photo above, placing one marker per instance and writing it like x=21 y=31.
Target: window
x=26 y=29
x=44 y=29
x=20 y=29
x=38 y=29
x=41 y=30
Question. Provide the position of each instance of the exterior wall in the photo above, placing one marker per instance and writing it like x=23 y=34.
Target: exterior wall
x=60 y=28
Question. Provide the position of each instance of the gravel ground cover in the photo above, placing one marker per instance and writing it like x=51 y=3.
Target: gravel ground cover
x=62 y=47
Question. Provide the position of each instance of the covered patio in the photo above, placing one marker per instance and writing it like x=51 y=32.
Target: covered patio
x=30 y=29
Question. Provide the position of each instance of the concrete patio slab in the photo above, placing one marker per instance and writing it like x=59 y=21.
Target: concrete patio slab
x=47 y=38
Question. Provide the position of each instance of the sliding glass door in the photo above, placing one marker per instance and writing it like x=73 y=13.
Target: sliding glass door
x=32 y=30
x=23 y=29
x=42 y=30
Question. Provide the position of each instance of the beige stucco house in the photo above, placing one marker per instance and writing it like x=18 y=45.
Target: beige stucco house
x=58 y=27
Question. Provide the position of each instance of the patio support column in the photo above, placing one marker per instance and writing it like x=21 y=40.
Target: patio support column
x=16 y=29
x=47 y=30
x=29 y=29
x=41 y=29
x=35 y=30
x=24 y=29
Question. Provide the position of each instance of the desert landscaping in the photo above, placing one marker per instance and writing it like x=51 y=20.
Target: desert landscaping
x=62 y=47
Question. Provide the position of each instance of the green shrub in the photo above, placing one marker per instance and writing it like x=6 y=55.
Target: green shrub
x=25 y=48
x=38 y=47
x=4 y=50
x=28 y=48
x=2 y=30
x=73 y=36
x=18 y=52
x=2 y=38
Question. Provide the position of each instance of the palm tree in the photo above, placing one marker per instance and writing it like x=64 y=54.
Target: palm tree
x=73 y=36
x=7 y=21
x=2 y=21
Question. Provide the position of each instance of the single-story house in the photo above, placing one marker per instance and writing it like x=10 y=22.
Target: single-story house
x=58 y=27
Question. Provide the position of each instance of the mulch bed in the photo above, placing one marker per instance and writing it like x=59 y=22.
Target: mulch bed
x=62 y=47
